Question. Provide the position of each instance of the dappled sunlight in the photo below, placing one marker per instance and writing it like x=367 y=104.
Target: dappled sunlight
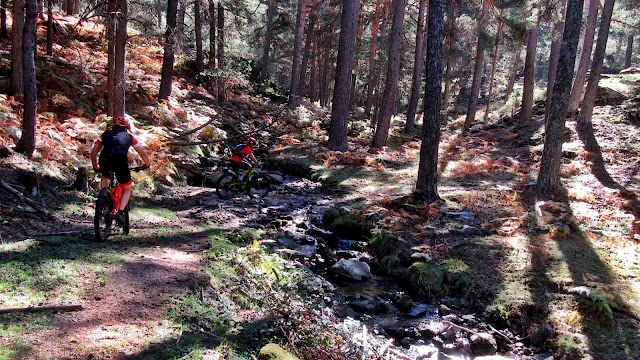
x=18 y=246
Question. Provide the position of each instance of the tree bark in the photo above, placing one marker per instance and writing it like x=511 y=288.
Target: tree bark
x=166 y=79
x=479 y=65
x=220 y=36
x=212 y=35
x=50 y=27
x=526 y=110
x=17 y=87
x=180 y=41
x=548 y=183
x=306 y=54
x=27 y=143
x=3 y=19
x=596 y=67
x=313 y=74
x=297 y=53
x=120 y=80
x=344 y=67
x=427 y=184
x=372 y=58
x=618 y=56
x=493 y=70
x=418 y=69
x=264 y=71
x=553 y=63
x=110 y=25
x=198 y=31
x=517 y=53
x=159 y=13
x=324 y=77
x=627 y=56
x=393 y=73
x=585 y=56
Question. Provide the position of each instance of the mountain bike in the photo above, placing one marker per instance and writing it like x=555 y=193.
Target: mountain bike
x=256 y=184
x=107 y=205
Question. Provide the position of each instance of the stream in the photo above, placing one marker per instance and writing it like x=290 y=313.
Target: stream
x=409 y=327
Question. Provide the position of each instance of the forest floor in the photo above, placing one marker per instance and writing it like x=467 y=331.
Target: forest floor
x=143 y=294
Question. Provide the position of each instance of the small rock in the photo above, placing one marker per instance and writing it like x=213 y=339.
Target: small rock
x=432 y=329
x=444 y=310
x=483 y=344
x=352 y=270
x=275 y=352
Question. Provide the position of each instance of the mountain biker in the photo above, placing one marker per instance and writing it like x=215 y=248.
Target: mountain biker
x=115 y=145
x=241 y=151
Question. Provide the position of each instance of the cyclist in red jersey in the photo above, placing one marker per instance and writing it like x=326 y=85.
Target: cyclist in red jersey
x=115 y=145
x=238 y=156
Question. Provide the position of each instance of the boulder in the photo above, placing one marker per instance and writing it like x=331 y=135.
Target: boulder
x=275 y=352
x=483 y=344
x=352 y=270
x=611 y=91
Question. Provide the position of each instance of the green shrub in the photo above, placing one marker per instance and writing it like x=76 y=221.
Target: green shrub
x=425 y=278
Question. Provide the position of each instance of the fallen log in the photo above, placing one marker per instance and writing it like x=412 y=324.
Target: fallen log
x=41 y=308
x=25 y=199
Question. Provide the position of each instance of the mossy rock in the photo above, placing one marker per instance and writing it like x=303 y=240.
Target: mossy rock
x=275 y=352
x=425 y=278
x=347 y=228
x=333 y=213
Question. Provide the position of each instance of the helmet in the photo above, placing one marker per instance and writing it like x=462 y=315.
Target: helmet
x=121 y=121
x=251 y=141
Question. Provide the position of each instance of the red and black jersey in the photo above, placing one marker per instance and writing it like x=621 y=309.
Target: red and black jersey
x=243 y=153
x=117 y=142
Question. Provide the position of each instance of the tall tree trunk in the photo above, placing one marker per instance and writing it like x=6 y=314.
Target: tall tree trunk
x=418 y=68
x=393 y=73
x=380 y=63
x=110 y=24
x=427 y=184
x=50 y=27
x=166 y=80
x=627 y=56
x=221 y=61
x=313 y=74
x=17 y=87
x=596 y=66
x=212 y=35
x=585 y=56
x=264 y=72
x=372 y=58
x=324 y=77
x=548 y=183
x=120 y=81
x=517 y=53
x=159 y=13
x=311 y=29
x=198 y=31
x=618 y=56
x=479 y=65
x=3 y=19
x=526 y=110
x=180 y=40
x=346 y=49
x=27 y=142
x=70 y=7
x=297 y=53
x=493 y=70
x=451 y=26
x=553 y=62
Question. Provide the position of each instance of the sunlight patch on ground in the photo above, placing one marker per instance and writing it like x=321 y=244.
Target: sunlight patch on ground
x=517 y=261
x=18 y=246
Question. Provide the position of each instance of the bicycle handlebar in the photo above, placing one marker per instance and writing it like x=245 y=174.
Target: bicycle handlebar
x=138 y=168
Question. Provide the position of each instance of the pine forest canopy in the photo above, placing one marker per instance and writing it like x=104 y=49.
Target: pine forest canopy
x=516 y=46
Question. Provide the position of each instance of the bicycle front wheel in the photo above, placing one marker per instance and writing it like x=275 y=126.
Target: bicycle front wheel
x=259 y=186
x=226 y=186
x=102 y=220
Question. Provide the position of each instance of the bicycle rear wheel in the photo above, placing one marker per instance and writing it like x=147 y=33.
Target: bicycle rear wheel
x=225 y=186
x=102 y=220
x=259 y=186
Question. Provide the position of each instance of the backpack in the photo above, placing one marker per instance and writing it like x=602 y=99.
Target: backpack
x=236 y=150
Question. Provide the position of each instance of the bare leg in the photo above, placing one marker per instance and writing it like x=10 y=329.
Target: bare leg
x=104 y=182
x=126 y=195
x=244 y=174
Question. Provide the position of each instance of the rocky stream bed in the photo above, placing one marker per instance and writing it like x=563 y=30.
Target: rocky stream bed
x=379 y=313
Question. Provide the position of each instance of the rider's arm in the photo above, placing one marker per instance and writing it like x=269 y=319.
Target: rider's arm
x=94 y=154
x=253 y=158
x=143 y=154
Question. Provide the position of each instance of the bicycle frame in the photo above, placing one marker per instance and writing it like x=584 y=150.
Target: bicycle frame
x=117 y=189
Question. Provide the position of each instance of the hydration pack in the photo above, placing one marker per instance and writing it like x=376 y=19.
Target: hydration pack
x=236 y=150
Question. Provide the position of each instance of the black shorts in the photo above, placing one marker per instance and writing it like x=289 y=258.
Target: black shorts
x=236 y=166
x=118 y=164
